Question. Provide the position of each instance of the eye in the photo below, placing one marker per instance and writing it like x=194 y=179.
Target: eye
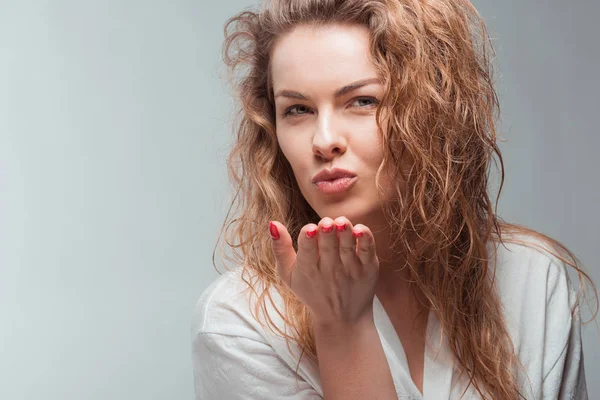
x=297 y=107
x=372 y=99
x=301 y=109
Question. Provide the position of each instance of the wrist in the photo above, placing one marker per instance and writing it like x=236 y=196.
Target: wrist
x=342 y=328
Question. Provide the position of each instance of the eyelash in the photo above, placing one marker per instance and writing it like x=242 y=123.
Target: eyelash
x=287 y=112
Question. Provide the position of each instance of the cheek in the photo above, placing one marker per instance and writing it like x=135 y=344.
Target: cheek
x=296 y=156
x=290 y=150
x=369 y=148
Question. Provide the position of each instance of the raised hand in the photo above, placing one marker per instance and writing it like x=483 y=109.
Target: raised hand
x=334 y=272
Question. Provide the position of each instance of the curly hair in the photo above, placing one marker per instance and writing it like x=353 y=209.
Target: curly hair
x=440 y=106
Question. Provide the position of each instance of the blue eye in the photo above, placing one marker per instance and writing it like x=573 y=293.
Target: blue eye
x=374 y=100
x=297 y=107
x=289 y=110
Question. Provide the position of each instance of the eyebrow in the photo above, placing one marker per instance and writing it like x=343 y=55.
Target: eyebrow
x=338 y=93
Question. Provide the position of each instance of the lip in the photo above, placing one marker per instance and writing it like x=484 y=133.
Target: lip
x=332 y=174
x=336 y=185
x=335 y=180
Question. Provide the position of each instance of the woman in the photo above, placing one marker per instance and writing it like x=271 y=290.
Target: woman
x=377 y=116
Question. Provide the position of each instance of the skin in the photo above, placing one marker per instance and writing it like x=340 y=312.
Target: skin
x=337 y=274
x=326 y=132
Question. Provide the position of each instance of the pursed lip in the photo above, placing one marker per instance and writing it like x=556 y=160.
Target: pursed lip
x=332 y=174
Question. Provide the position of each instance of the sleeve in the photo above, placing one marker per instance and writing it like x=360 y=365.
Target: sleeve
x=565 y=376
x=239 y=368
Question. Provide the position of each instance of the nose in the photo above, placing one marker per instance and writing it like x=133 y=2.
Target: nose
x=329 y=141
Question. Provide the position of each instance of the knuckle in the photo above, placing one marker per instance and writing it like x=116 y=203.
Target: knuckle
x=347 y=249
x=329 y=249
x=310 y=250
x=278 y=251
x=366 y=250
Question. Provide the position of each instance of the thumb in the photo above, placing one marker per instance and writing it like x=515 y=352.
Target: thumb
x=285 y=255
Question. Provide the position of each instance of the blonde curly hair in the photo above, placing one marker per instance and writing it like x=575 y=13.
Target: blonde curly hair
x=440 y=108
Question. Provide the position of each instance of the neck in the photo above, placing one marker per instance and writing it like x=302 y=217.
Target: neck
x=394 y=283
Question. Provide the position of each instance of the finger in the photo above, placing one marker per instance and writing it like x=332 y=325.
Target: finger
x=285 y=256
x=365 y=245
x=329 y=249
x=308 y=249
x=347 y=242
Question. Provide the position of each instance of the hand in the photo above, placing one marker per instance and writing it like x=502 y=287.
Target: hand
x=334 y=273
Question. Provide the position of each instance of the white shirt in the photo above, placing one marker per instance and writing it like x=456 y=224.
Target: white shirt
x=236 y=358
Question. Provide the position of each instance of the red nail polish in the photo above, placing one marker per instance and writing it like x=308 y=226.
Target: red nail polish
x=327 y=229
x=340 y=228
x=273 y=230
x=311 y=234
x=357 y=234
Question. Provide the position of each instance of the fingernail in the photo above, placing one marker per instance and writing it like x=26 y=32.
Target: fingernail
x=311 y=234
x=273 y=230
x=340 y=228
x=327 y=228
x=357 y=234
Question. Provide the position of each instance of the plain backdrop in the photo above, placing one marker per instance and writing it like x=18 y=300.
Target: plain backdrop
x=114 y=129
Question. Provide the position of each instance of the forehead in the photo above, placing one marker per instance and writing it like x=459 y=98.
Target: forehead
x=321 y=57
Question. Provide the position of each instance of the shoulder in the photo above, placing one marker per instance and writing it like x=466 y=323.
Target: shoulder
x=541 y=312
x=228 y=307
x=535 y=290
x=223 y=327
x=530 y=272
x=227 y=340
x=224 y=308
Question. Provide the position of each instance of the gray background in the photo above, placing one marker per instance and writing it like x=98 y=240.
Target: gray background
x=114 y=128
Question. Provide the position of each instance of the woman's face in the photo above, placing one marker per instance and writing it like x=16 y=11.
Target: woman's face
x=318 y=129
